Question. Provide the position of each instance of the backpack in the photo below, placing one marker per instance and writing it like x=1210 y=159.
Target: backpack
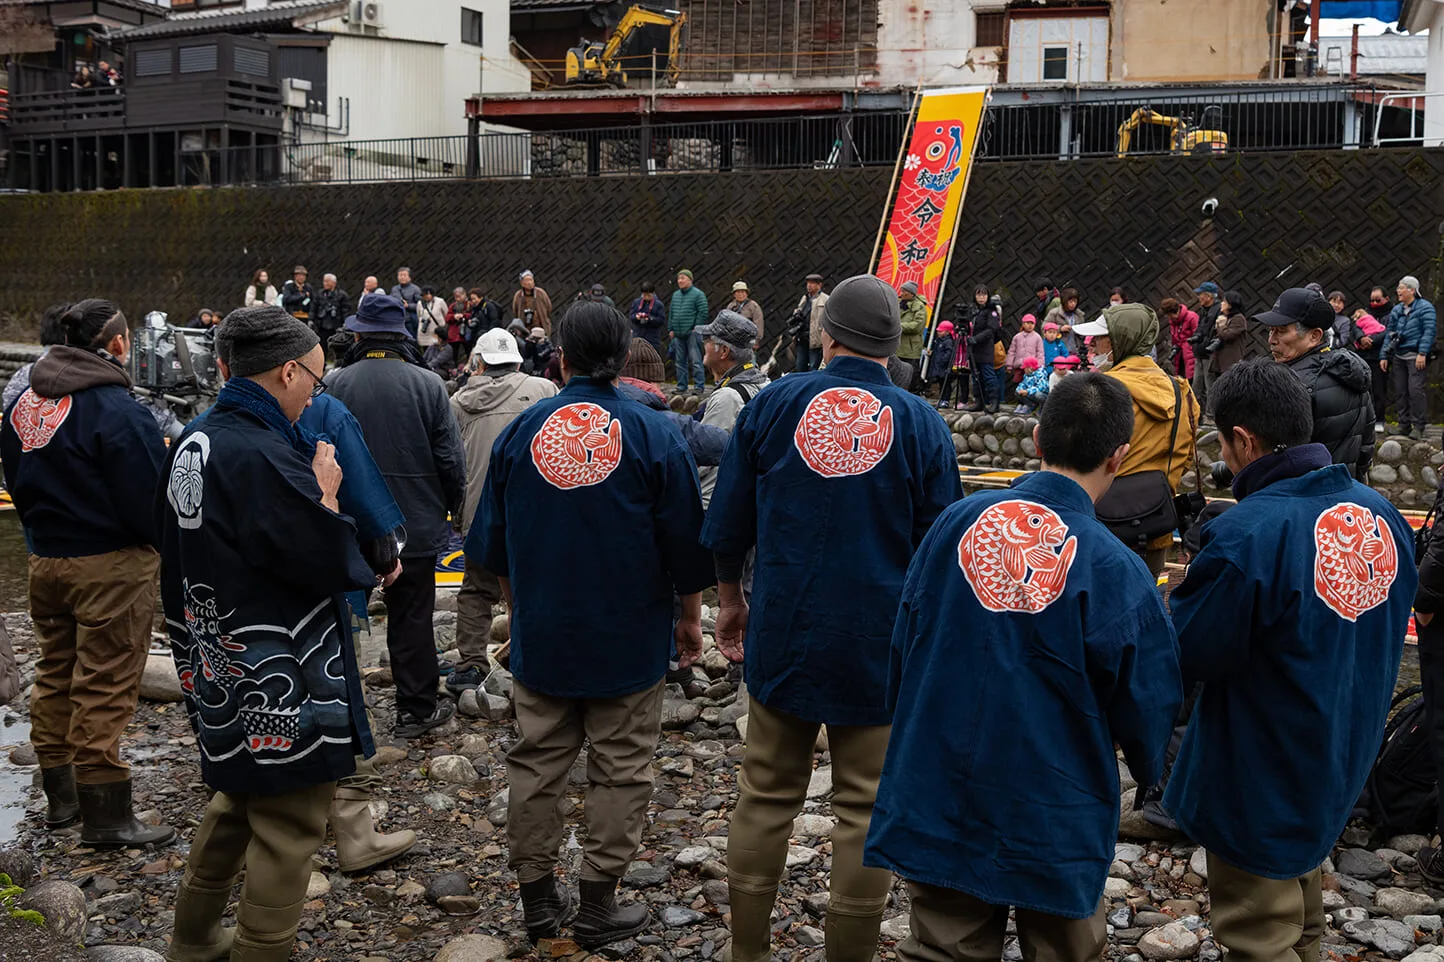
x=1401 y=795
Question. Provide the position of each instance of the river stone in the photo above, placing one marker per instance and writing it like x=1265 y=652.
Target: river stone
x=473 y=948
x=1171 y=941
x=318 y=886
x=975 y=443
x=1116 y=888
x=800 y=855
x=1383 y=474
x=693 y=856
x=896 y=928
x=991 y=442
x=19 y=865
x=1389 y=452
x=158 y=682
x=1128 y=852
x=500 y=630
x=1401 y=902
x=122 y=953
x=1429 y=476
x=1394 y=939
x=820 y=783
x=1362 y=863
x=24 y=755
x=117 y=904
x=808 y=825
x=679 y=714
x=1429 y=953
x=1010 y=446
x=63 y=906
x=1405 y=474
x=1029 y=448
x=960 y=444
x=964 y=422
x=1424 y=923
x=452 y=769
x=1198 y=863
x=447 y=884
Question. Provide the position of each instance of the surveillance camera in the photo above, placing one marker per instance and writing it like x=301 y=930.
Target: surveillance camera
x=1210 y=207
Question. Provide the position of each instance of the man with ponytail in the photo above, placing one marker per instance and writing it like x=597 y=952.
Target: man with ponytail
x=257 y=557
x=82 y=461
x=614 y=486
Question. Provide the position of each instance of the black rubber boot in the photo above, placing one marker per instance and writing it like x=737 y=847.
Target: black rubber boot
x=62 y=807
x=546 y=907
x=110 y=822
x=601 y=920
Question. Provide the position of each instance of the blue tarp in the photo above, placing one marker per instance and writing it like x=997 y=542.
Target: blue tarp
x=1385 y=10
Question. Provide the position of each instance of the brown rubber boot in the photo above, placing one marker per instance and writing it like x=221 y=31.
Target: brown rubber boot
x=198 y=936
x=358 y=845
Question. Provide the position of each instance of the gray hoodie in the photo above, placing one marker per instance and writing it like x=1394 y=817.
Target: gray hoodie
x=483 y=408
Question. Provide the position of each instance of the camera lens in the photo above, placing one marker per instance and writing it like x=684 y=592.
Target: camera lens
x=1222 y=476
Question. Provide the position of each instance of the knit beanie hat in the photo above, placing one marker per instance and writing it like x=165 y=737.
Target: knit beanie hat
x=643 y=362
x=863 y=315
x=685 y=272
x=255 y=339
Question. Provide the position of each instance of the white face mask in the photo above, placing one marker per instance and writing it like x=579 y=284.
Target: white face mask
x=1102 y=362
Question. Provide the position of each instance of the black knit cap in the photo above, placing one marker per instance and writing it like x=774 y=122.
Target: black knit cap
x=862 y=314
x=255 y=339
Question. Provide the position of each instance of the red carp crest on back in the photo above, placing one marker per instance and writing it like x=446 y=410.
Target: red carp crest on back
x=1355 y=560
x=36 y=418
x=844 y=431
x=1016 y=556
x=577 y=446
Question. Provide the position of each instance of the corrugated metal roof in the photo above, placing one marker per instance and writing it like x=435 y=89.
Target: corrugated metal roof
x=147 y=6
x=553 y=6
x=1388 y=53
x=283 y=13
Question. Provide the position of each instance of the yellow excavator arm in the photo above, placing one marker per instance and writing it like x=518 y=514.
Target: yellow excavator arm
x=1139 y=117
x=1184 y=136
x=593 y=63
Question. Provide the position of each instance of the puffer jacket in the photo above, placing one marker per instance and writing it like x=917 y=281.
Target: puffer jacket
x=914 y=326
x=1414 y=331
x=1154 y=412
x=1338 y=384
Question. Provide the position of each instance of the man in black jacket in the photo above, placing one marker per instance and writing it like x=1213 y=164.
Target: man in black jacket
x=405 y=413
x=296 y=296
x=1337 y=380
x=330 y=308
x=1208 y=307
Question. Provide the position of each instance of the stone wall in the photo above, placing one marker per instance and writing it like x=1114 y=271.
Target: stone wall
x=1404 y=471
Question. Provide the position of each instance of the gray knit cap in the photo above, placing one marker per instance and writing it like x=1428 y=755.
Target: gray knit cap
x=255 y=339
x=863 y=315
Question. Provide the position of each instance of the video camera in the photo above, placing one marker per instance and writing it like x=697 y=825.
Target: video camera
x=173 y=360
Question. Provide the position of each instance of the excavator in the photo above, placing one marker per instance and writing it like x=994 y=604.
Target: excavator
x=1185 y=137
x=640 y=31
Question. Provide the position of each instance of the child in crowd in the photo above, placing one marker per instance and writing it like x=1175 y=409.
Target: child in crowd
x=957 y=381
x=1062 y=367
x=1054 y=346
x=1368 y=325
x=1026 y=343
x=940 y=361
x=1033 y=390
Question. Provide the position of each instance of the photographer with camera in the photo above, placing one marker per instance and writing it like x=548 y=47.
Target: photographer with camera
x=805 y=326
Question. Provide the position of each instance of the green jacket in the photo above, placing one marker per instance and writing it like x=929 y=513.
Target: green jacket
x=914 y=324
x=687 y=310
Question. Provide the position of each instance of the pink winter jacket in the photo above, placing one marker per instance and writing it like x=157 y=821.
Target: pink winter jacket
x=1025 y=344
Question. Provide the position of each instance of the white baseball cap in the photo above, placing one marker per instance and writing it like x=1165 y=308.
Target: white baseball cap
x=1098 y=327
x=497 y=346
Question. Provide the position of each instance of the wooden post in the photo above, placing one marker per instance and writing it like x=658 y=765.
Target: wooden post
x=1354 y=55
x=896 y=170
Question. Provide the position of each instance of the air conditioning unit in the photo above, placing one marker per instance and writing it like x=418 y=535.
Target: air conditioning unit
x=370 y=13
x=296 y=93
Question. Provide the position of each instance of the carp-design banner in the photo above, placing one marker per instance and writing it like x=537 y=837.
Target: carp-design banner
x=928 y=196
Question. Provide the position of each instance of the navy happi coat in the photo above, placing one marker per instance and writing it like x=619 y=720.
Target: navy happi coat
x=834 y=476
x=1029 y=641
x=253 y=569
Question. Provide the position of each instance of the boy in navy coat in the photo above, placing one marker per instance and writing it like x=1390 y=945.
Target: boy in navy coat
x=1001 y=783
x=1293 y=617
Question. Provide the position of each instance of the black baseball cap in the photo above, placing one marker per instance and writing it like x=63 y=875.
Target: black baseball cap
x=1299 y=305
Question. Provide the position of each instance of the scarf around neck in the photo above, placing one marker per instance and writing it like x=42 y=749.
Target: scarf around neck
x=244 y=394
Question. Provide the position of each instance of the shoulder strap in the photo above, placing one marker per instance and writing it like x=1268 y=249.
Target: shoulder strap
x=1177 y=417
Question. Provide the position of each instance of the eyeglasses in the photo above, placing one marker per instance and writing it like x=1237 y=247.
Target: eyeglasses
x=321 y=385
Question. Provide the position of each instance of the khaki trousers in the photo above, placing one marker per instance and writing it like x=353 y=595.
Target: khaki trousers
x=479 y=593
x=773 y=786
x=622 y=734
x=952 y=926
x=92 y=618
x=1265 y=920
x=272 y=837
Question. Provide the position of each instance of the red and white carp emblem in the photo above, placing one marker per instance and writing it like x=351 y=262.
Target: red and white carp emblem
x=844 y=431
x=36 y=418
x=579 y=445
x=1016 y=556
x=1356 y=560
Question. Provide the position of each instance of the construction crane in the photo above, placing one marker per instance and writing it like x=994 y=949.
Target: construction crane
x=640 y=31
x=1184 y=136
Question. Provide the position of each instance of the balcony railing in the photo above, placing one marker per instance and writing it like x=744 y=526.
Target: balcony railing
x=56 y=111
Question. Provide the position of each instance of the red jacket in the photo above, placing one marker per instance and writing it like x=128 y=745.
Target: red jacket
x=1182 y=326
